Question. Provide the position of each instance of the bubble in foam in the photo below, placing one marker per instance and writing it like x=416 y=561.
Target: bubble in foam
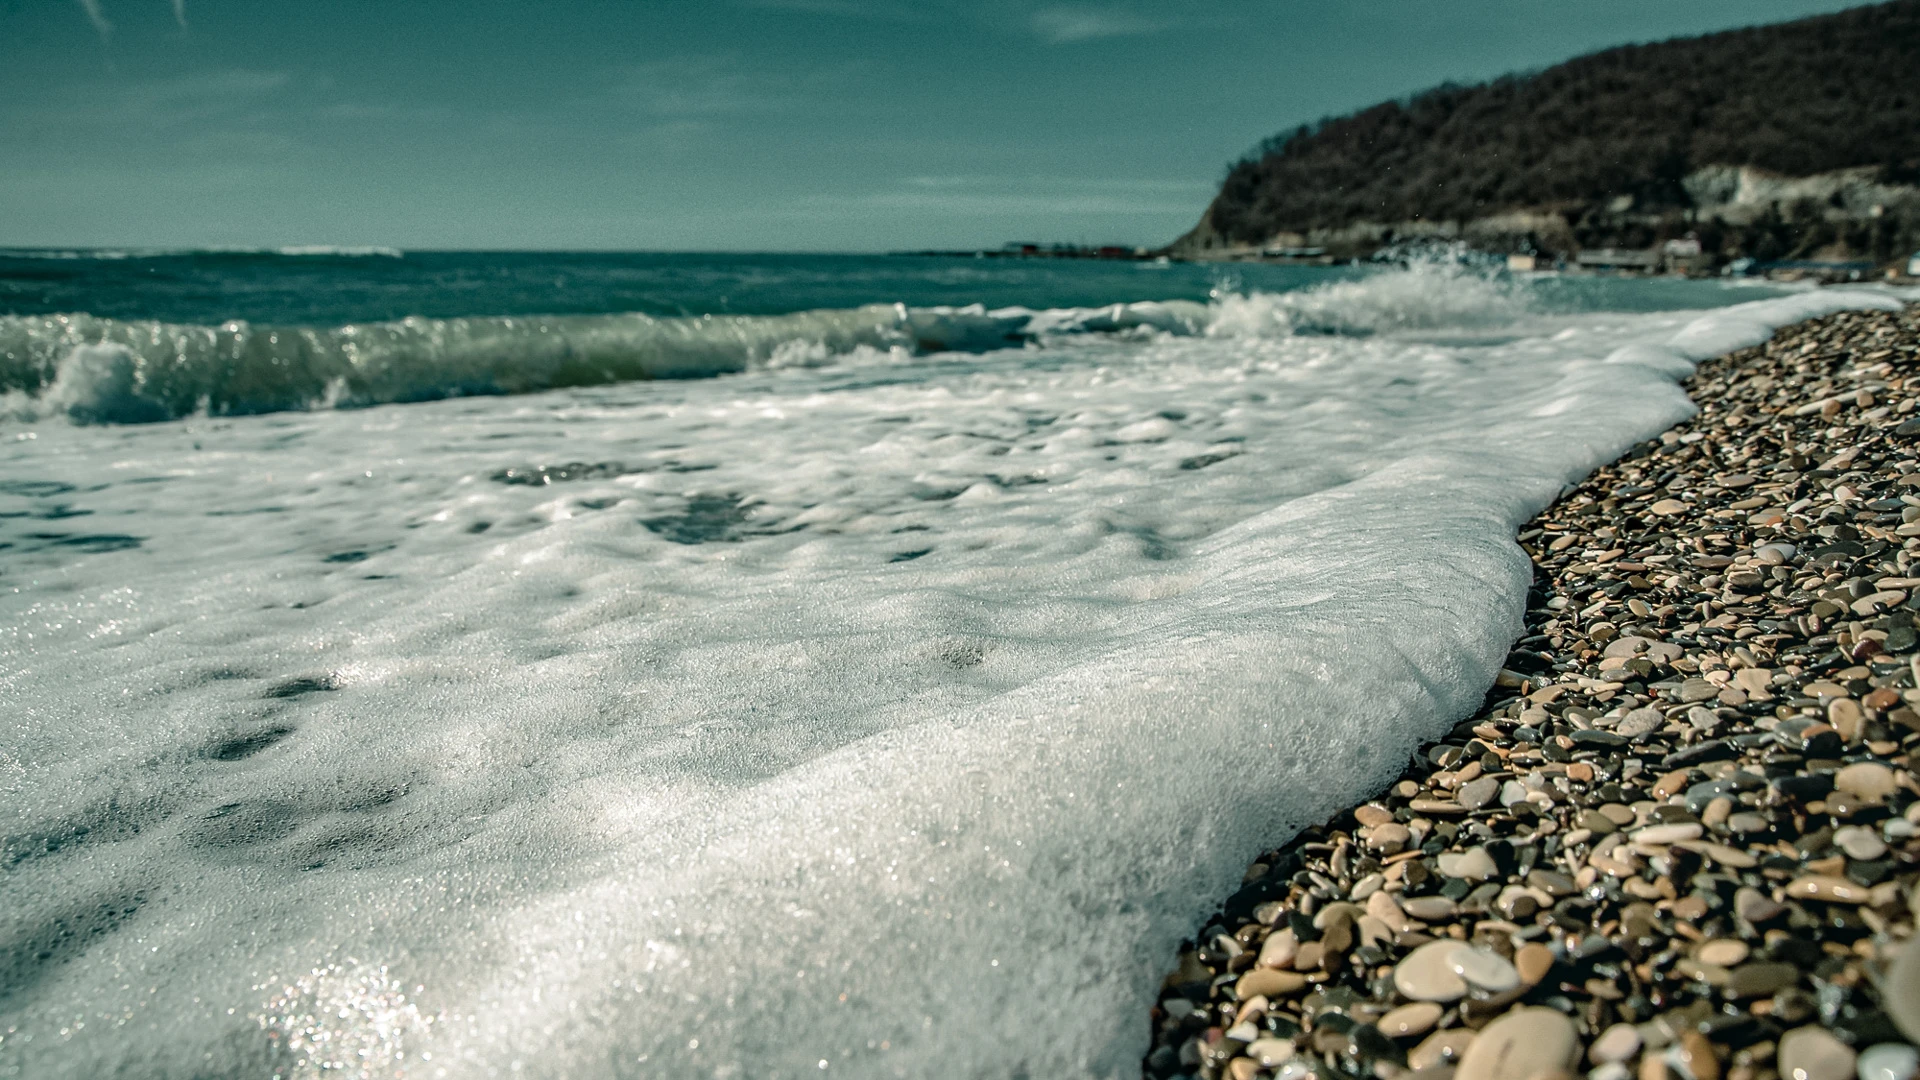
x=349 y=1019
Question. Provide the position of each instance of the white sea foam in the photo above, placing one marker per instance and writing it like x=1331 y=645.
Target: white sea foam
x=893 y=718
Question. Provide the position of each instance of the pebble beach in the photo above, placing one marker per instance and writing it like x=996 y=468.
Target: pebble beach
x=1681 y=839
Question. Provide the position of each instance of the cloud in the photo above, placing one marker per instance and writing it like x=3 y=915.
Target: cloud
x=97 y=17
x=150 y=104
x=1071 y=25
x=1025 y=195
x=700 y=86
x=180 y=13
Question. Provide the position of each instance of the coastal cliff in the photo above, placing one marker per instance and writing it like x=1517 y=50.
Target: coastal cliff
x=1794 y=141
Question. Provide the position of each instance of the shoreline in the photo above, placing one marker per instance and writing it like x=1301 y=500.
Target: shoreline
x=1680 y=839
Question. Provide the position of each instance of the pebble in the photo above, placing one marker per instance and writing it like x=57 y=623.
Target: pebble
x=1867 y=779
x=1278 y=950
x=1532 y=960
x=1709 y=710
x=1441 y=1047
x=1834 y=890
x=1859 y=843
x=1668 y=834
x=1390 y=838
x=1478 y=793
x=1373 y=814
x=1417 y=1018
x=1692 y=1056
x=1270 y=1052
x=1430 y=908
x=1618 y=1043
x=1755 y=906
x=1888 y=1061
x=1268 y=983
x=1761 y=979
x=1902 y=991
x=1473 y=864
x=1427 y=973
x=1722 y=952
x=1487 y=970
x=1810 y=1053
x=1522 y=1044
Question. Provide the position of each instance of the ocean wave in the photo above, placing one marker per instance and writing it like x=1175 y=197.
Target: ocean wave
x=99 y=370
x=292 y=251
x=96 y=370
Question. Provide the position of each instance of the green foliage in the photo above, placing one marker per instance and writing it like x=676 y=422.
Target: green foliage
x=1825 y=93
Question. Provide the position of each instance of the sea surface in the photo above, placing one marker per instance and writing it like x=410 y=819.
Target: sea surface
x=532 y=665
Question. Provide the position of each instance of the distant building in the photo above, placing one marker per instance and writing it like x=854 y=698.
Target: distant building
x=1618 y=259
x=1291 y=252
x=1687 y=247
x=1913 y=265
x=1523 y=264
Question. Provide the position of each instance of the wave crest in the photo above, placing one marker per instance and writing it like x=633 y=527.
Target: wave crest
x=1426 y=289
x=96 y=370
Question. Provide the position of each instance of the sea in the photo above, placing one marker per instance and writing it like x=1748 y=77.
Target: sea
x=631 y=665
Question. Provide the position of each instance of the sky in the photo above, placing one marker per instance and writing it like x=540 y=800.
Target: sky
x=717 y=125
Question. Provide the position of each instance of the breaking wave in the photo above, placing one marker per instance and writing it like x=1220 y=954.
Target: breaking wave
x=97 y=370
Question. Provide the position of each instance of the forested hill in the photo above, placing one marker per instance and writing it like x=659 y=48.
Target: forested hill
x=1618 y=146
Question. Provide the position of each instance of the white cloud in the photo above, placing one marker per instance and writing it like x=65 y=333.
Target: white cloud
x=697 y=86
x=97 y=17
x=1071 y=25
x=180 y=13
x=151 y=104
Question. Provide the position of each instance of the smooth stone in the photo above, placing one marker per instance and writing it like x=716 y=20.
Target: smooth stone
x=1410 y=1020
x=1478 y=793
x=1473 y=864
x=1270 y=1052
x=1722 y=952
x=1810 y=1053
x=1390 y=838
x=1747 y=822
x=1430 y=908
x=1487 y=970
x=1521 y=1045
x=1755 y=906
x=1833 y=890
x=1278 y=950
x=1619 y=814
x=1532 y=960
x=1639 y=722
x=1268 y=983
x=1859 y=843
x=1373 y=814
x=1618 y=1043
x=1667 y=507
x=1441 y=1047
x=1513 y=791
x=1867 y=779
x=1668 y=834
x=1381 y=906
x=1427 y=973
x=1900 y=993
x=1761 y=979
x=1552 y=882
x=1726 y=856
x=1692 y=1056
x=1888 y=1061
